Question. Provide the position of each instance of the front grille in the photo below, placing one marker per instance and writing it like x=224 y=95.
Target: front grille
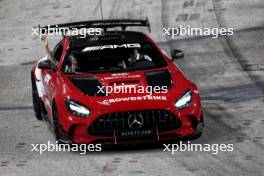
x=109 y=124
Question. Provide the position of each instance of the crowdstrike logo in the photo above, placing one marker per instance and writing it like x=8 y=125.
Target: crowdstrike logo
x=137 y=98
x=102 y=47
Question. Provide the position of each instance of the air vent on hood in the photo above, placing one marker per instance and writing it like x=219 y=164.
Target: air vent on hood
x=159 y=78
x=88 y=85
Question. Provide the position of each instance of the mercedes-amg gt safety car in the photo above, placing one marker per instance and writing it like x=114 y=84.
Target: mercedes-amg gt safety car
x=81 y=105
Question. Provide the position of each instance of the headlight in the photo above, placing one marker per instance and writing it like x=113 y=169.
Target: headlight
x=77 y=109
x=184 y=101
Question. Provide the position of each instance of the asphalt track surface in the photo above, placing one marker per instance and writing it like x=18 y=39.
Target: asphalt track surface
x=228 y=70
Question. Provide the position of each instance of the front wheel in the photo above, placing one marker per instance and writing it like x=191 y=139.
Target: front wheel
x=56 y=124
x=60 y=136
x=199 y=131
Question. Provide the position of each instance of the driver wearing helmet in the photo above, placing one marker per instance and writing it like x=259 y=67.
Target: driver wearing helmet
x=135 y=55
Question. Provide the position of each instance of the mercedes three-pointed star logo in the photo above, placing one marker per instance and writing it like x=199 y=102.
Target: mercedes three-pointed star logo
x=135 y=121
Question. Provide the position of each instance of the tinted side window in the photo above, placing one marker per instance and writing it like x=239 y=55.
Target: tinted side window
x=57 y=52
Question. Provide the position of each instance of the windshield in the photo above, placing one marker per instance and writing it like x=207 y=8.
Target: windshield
x=112 y=58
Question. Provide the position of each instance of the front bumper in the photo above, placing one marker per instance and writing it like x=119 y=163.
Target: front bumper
x=80 y=131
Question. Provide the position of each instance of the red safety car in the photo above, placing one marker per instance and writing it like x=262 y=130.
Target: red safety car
x=86 y=103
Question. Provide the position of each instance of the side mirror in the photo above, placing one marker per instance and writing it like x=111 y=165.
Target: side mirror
x=47 y=64
x=176 y=54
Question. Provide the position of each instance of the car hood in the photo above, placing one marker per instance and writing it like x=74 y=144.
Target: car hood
x=86 y=88
x=105 y=84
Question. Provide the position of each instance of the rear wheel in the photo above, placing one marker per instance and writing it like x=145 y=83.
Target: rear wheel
x=35 y=99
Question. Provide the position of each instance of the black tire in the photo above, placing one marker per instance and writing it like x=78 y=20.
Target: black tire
x=200 y=133
x=35 y=99
x=196 y=136
x=56 y=123
x=60 y=136
x=191 y=137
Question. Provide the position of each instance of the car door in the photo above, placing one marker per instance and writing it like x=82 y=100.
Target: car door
x=49 y=75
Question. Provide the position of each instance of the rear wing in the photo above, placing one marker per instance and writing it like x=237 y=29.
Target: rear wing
x=103 y=24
